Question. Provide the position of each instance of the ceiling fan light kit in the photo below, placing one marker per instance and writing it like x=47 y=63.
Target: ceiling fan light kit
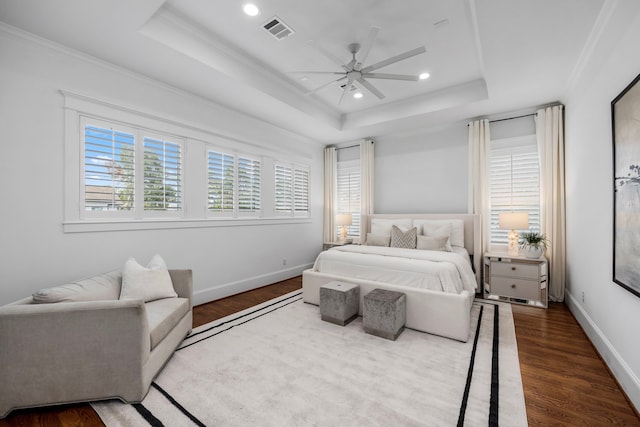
x=355 y=74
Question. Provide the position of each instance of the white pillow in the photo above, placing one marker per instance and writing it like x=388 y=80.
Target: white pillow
x=457 y=228
x=443 y=230
x=432 y=243
x=146 y=283
x=383 y=226
x=377 y=240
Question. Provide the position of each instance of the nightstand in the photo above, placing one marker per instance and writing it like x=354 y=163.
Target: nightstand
x=515 y=279
x=328 y=245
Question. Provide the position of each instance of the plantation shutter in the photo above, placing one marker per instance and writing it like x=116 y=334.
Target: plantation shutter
x=248 y=185
x=108 y=169
x=283 y=188
x=221 y=174
x=301 y=191
x=348 y=194
x=515 y=182
x=162 y=175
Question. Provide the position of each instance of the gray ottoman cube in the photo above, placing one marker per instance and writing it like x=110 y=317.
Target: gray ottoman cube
x=339 y=302
x=384 y=313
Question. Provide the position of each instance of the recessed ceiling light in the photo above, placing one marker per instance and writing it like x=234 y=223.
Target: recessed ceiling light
x=357 y=95
x=251 y=9
x=423 y=76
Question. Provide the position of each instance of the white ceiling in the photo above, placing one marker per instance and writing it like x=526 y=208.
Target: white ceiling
x=484 y=56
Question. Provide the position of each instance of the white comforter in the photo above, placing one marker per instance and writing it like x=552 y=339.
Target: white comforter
x=434 y=270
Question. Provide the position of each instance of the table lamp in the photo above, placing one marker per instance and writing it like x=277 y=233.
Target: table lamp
x=343 y=220
x=513 y=221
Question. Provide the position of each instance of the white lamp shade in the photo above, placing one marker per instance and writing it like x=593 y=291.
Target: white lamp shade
x=344 y=219
x=514 y=220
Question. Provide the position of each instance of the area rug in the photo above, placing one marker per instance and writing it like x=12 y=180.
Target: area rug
x=279 y=364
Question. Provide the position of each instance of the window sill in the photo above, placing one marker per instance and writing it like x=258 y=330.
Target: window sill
x=89 y=226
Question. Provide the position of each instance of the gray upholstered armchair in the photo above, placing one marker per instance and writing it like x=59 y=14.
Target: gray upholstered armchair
x=89 y=350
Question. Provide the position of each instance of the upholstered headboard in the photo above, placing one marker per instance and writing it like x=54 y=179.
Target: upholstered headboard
x=472 y=240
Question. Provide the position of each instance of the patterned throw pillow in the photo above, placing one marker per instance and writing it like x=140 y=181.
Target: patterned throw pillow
x=406 y=240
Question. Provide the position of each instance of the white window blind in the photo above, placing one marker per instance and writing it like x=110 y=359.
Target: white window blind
x=515 y=182
x=301 y=190
x=162 y=175
x=221 y=171
x=108 y=169
x=348 y=194
x=283 y=196
x=248 y=185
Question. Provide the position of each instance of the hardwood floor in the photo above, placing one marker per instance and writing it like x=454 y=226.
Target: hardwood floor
x=565 y=381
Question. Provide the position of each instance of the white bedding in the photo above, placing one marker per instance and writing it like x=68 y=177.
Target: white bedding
x=434 y=270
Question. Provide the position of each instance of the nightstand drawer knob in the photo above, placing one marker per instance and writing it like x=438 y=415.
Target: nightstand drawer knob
x=513 y=286
x=513 y=269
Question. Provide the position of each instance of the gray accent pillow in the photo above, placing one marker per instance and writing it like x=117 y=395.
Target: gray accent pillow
x=403 y=239
x=433 y=243
x=377 y=240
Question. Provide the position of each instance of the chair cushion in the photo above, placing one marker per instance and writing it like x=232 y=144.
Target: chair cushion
x=163 y=315
x=103 y=287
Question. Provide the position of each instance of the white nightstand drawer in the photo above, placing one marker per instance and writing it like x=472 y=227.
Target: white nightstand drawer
x=515 y=288
x=521 y=270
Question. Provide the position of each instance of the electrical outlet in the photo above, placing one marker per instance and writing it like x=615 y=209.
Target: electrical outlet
x=583 y=296
x=284 y=262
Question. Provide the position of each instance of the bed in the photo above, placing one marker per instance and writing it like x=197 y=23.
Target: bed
x=440 y=286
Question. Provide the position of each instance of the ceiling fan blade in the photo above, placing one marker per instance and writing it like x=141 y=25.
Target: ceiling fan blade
x=394 y=59
x=371 y=88
x=366 y=46
x=316 y=72
x=319 y=88
x=329 y=55
x=391 y=76
x=346 y=89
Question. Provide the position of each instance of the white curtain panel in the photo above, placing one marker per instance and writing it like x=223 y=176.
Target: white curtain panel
x=330 y=186
x=478 y=179
x=366 y=182
x=550 y=136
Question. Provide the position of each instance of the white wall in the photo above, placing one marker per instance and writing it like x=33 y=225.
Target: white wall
x=426 y=172
x=34 y=250
x=609 y=314
x=422 y=172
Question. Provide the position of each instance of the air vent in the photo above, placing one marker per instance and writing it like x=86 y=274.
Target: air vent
x=277 y=28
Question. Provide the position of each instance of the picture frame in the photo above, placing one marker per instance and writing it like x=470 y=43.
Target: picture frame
x=625 y=123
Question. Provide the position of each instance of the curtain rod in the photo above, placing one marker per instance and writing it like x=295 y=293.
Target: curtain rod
x=511 y=118
x=351 y=146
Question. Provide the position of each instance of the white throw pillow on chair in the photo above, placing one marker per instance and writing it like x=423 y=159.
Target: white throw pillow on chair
x=146 y=283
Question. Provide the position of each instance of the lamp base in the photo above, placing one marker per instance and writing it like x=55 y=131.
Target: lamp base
x=513 y=240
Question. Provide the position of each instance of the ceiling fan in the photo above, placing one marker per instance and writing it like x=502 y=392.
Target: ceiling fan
x=354 y=72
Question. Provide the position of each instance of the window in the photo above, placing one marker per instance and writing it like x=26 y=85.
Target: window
x=301 y=190
x=162 y=175
x=248 y=185
x=111 y=169
x=108 y=169
x=136 y=171
x=515 y=182
x=221 y=169
x=291 y=190
x=233 y=189
x=348 y=194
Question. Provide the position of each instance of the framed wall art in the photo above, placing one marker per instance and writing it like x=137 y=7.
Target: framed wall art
x=625 y=116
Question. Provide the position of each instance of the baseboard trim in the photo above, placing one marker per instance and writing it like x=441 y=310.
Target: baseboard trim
x=627 y=379
x=211 y=294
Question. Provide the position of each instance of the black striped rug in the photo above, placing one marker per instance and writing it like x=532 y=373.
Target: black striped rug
x=278 y=364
